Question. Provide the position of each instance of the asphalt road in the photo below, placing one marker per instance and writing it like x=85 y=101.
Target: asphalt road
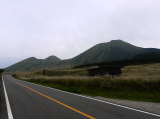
x=30 y=101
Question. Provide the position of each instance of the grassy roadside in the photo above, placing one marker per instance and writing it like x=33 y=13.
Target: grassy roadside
x=139 y=90
x=138 y=82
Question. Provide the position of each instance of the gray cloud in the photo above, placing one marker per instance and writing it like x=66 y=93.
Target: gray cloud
x=66 y=28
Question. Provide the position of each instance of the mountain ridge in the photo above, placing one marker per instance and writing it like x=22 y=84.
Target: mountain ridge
x=114 y=50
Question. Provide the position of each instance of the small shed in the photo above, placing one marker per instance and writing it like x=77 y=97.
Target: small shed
x=111 y=70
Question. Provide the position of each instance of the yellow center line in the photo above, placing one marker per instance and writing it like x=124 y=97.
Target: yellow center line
x=57 y=101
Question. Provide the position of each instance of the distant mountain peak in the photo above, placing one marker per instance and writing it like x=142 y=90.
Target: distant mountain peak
x=53 y=58
x=114 y=42
x=30 y=59
x=118 y=40
x=120 y=43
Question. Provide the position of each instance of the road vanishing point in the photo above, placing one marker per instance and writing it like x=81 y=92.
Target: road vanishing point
x=24 y=100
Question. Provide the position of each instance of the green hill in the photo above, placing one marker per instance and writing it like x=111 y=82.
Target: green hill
x=49 y=62
x=115 y=50
x=26 y=64
x=112 y=51
x=31 y=63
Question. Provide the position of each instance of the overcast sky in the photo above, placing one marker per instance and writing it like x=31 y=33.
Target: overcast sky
x=66 y=28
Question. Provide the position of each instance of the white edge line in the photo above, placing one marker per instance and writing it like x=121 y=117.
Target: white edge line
x=95 y=99
x=10 y=116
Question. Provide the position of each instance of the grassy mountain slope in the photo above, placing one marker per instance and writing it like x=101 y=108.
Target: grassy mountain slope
x=26 y=64
x=146 y=58
x=112 y=51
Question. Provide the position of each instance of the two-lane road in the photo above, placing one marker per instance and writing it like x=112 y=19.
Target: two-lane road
x=30 y=101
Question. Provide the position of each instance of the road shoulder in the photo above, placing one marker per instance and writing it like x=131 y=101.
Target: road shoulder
x=144 y=106
x=3 y=108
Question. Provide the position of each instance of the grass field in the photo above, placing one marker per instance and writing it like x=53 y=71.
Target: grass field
x=138 y=82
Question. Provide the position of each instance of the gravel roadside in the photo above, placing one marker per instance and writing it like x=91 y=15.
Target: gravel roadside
x=144 y=106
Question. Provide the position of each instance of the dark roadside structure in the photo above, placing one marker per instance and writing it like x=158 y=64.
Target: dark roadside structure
x=1 y=71
x=105 y=70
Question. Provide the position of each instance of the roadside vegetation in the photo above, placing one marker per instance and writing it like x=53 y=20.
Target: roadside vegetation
x=137 y=82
